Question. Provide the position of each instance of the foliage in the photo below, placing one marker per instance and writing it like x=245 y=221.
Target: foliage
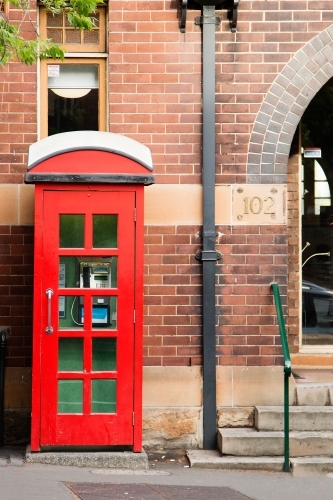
x=14 y=46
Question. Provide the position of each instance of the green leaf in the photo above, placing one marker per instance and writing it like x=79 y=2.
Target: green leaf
x=13 y=46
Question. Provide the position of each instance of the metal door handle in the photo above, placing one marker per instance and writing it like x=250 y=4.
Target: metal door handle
x=49 y=293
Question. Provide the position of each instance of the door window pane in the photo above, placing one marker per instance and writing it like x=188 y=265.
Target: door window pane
x=71 y=231
x=103 y=396
x=103 y=354
x=88 y=272
x=97 y=272
x=68 y=272
x=105 y=231
x=70 y=356
x=70 y=396
x=70 y=316
x=104 y=312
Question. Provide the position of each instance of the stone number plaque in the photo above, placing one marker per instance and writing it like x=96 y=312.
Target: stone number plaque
x=259 y=204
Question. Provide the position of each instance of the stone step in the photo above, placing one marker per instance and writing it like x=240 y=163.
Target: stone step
x=301 y=418
x=101 y=459
x=314 y=393
x=300 y=466
x=250 y=442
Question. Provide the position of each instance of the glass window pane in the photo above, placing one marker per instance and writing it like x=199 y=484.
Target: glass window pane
x=319 y=172
x=322 y=190
x=70 y=396
x=103 y=396
x=54 y=34
x=317 y=317
x=91 y=37
x=104 y=312
x=97 y=273
x=71 y=231
x=88 y=272
x=70 y=312
x=53 y=19
x=105 y=231
x=78 y=110
x=68 y=272
x=73 y=76
x=70 y=355
x=72 y=36
x=103 y=354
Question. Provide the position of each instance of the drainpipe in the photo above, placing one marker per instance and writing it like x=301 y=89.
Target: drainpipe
x=208 y=255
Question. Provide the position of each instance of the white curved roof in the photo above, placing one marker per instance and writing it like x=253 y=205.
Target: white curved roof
x=89 y=139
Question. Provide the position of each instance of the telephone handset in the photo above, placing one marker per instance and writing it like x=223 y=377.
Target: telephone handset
x=85 y=277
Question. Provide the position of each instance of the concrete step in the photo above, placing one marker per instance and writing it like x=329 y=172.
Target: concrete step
x=300 y=466
x=250 y=442
x=307 y=466
x=212 y=459
x=301 y=418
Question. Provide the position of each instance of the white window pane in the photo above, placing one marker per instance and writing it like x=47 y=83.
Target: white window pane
x=321 y=202
x=322 y=190
x=319 y=173
x=78 y=76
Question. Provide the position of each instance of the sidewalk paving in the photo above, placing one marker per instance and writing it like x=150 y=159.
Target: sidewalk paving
x=88 y=491
x=166 y=478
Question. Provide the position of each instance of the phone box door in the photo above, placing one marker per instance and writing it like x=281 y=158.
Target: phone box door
x=88 y=311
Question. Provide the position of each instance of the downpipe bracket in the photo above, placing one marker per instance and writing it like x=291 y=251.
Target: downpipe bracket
x=205 y=255
x=200 y=20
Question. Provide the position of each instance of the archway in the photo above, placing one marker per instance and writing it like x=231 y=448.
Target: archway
x=280 y=113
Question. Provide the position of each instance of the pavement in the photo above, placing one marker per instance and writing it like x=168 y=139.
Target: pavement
x=168 y=477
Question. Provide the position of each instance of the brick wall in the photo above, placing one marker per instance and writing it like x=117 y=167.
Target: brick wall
x=18 y=108
x=172 y=296
x=154 y=96
x=268 y=36
x=253 y=257
x=16 y=285
x=155 y=85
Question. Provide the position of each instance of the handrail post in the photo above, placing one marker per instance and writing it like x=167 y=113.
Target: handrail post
x=286 y=465
x=3 y=338
x=287 y=372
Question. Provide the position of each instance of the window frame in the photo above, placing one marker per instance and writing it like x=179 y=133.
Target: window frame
x=77 y=54
x=73 y=47
x=101 y=63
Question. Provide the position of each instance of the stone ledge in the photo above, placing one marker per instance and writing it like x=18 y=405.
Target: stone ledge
x=235 y=417
x=171 y=428
x=100 y=459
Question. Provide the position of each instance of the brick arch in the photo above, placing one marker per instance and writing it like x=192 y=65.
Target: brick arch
x=290 y=94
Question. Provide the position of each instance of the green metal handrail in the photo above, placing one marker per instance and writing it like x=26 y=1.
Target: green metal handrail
x=287 y=372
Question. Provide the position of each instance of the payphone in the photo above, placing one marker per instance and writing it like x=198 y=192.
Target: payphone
x=93 y=273
x=88 y=298
x=96 y=274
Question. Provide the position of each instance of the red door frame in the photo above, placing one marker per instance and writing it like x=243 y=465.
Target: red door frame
x=38 y=329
